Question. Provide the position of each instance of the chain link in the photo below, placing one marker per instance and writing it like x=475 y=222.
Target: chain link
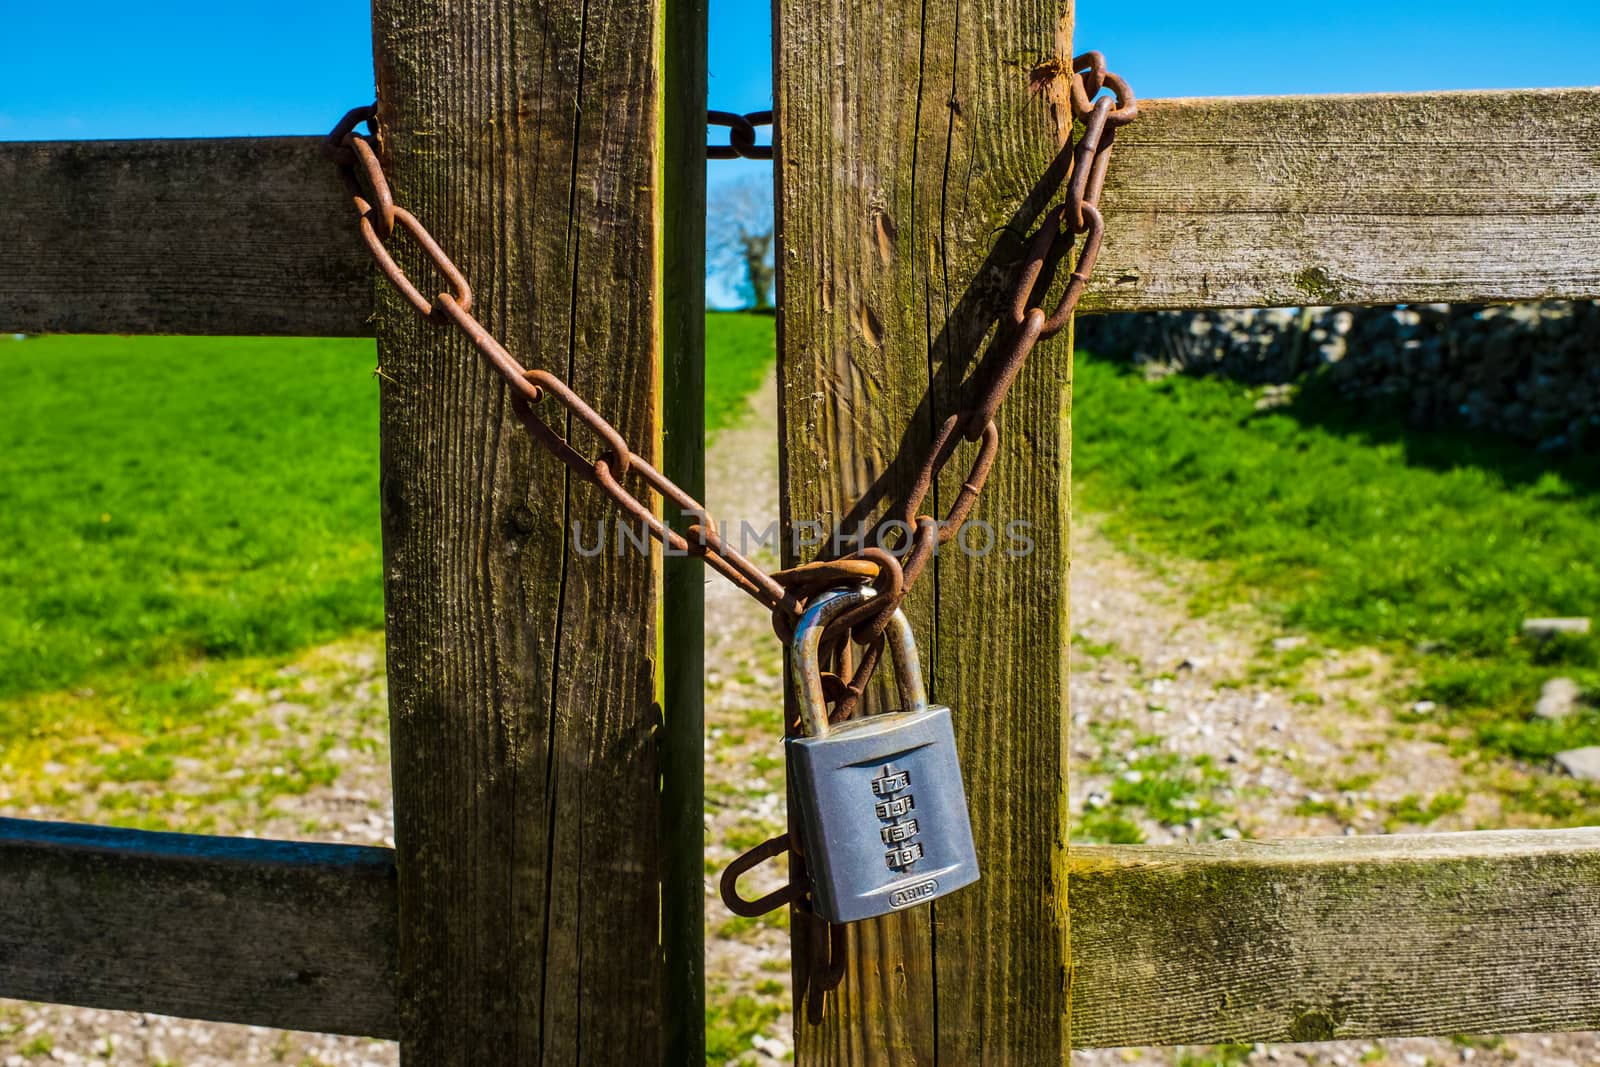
x=741 y=135
x=892 y=569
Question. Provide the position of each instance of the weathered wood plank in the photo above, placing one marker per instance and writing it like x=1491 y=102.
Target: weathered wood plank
x=1211 y=203
x=909 y=140
x=272 y=933
x=1376 y=199
x=1311 y=940
x=1291 y=940
x=523 y=685
x=217 y=236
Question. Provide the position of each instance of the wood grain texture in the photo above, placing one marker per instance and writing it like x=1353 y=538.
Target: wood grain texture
x=1323 y=939
x=218 y=236
x=1292 y=940
x=525 y=134
x=1376 y=199
x=271 y=933
x=911 y=161
x=1211 y=203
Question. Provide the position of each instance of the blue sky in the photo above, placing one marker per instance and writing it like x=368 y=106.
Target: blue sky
x=192 y=69
x=99 y=69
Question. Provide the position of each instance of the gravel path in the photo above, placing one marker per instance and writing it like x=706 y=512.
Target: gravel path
x=745 y=801
x=1184 y=728
x=1301 y=733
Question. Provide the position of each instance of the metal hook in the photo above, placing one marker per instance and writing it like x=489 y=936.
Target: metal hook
x=784 y=894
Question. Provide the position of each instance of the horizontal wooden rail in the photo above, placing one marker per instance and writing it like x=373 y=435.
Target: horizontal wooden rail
x=1294 y=940
x=1211 y=203
x=273 y=933
x=226 y=236
x=1317 y=939
x=1381 y=199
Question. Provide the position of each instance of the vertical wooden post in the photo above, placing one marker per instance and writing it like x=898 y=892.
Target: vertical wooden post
x=912 y=156
x=684 y=605
x=526 y=134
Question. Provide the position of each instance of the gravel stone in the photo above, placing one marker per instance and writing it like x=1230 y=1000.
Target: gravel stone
x=1581 y=763
x=1547 y=628
x=1558 y=699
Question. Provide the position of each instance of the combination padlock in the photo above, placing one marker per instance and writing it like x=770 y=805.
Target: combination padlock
x=883 y=815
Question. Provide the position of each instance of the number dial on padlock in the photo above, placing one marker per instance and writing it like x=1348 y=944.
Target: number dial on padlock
x=882 y=810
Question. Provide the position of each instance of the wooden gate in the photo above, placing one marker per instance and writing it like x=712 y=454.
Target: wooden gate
x=544 y=900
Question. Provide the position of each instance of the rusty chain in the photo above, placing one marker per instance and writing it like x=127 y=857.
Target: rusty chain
x=1024 y=325
x=741 y=135
x=892 y=569
x=377 y=215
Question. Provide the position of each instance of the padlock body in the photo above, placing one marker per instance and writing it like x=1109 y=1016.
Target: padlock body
x=883 y=814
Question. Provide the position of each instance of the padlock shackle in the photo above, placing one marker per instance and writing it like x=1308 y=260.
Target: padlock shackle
x=807 y=669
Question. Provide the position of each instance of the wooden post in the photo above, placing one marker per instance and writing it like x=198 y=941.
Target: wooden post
x=683 y=595
x=912 y=156
x=526 y=134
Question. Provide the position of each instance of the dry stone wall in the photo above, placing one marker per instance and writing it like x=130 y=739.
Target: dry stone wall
x=1527 y=371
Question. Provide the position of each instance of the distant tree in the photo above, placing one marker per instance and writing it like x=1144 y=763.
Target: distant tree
x=739 y=238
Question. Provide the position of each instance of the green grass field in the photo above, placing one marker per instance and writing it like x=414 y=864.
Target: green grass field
x=173 y=508
x=1346 y=525
x=179 y=517
x=179 y=497
x=739 y=353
